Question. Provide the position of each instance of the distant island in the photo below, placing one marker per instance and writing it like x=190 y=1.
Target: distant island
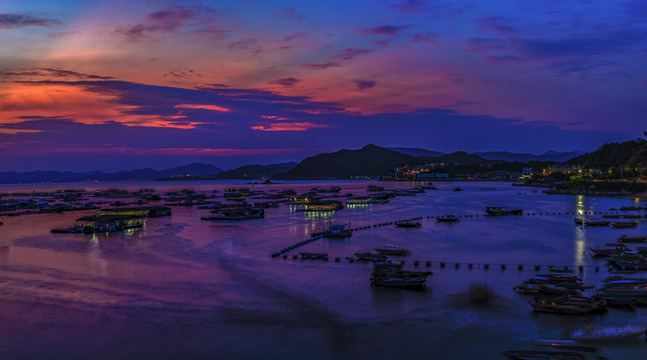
x=566 y=170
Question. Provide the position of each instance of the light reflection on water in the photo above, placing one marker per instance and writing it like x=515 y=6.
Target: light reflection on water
x=206 y=289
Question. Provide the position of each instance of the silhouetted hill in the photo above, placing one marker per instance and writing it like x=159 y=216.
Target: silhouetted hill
x=459 y=157
x=521 y=157
x=369 y=160
x=255 y=171
x=496 y=155
x=613 y=155
x=195 y=169
x=416 y=152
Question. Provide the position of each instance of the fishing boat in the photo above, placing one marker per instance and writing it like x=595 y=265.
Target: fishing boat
x=313 y=256
x=392 y=275
x=543 y=355
x=408 y=224
x=568 y=305
x=631 y=239
x=325 y=205
x=608 y=251
x=390 y=249
x=624 y=224
x=335 y=231
x=499 y=211
x=367 y=256
x=594 y=222
x=605 y=333
x=447 y=218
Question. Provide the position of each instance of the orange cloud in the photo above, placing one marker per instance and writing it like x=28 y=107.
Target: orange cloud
x=274 y=117
x=70 y=101
x=204 y=107
x=293 y=126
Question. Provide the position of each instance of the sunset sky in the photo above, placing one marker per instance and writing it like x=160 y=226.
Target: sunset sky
x=117 y=85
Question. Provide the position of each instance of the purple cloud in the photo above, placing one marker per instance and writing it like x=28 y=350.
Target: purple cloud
x=168 y=20
x=286 y=82
x=182 y=73
x=321 y=66
x=496 y=23
x=383 y=43
x=409 y=6
x=364 y=84
x=15 y=21
x=503 y=59
x=291 y=15
x=426 y=37
x=385 y=30
x=350 y=53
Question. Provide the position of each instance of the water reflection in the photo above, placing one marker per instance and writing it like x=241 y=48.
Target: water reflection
x=580 y=245
x=579 y=204
x=580 y=232
x=98 y=265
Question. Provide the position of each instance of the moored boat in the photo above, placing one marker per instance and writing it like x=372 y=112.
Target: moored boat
x=594 y=222
x=389 y=249
x=498 y=211
x=608 y=251
x=568 y=305
x=605 y=333
x=624 y=224
x=447 y=218
x=408 y=224
x=631 y=239
x=543 y=355
x=335 y=231
x=367 y=256
x=392 y=275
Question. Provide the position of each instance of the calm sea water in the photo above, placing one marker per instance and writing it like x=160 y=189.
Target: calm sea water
x=183 y=288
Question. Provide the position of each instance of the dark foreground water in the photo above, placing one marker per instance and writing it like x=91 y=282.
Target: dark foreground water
x=183 y=288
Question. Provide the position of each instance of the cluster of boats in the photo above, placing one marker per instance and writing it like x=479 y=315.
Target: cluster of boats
x=382 y=254
x=561 y=293
x=614 y=224
x=501 y=211
x=336 y=231
x=621 y=258
x=621 y=290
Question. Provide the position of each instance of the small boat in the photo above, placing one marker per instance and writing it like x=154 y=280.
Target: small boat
x=568 y=305
x=389 y=249
x=579 y=221
x=608 y=251
x=447 y=218
x=596 y=223
x=543 y=355
x=336 y=231
x=408 y=224
x=367 y=256
x=631 y=239
x=392 y=275
x=313 y=256
x=499 y=211
x=624 y=224
x=606 y=333
x=457 y=189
